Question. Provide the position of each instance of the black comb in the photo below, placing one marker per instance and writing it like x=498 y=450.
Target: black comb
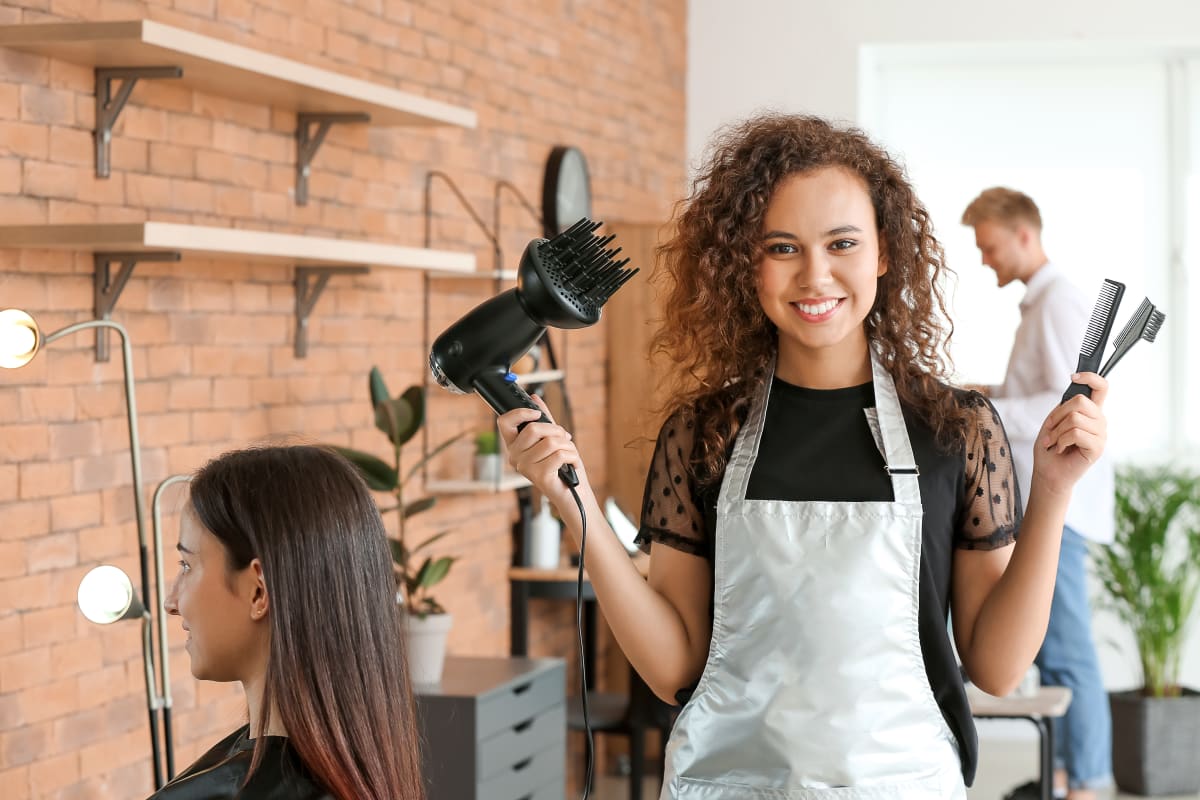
x=1144 y=324
x=1096 y=337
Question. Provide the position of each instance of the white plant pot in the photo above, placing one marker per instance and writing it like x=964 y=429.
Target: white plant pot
x=488 y=467
x=427 y=646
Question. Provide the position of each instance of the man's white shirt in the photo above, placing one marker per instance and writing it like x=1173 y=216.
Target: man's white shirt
x=1054 y=317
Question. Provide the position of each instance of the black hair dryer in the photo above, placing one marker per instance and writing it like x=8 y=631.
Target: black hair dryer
x=562 y=283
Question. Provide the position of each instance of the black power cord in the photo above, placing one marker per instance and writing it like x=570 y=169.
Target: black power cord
x=583 y=695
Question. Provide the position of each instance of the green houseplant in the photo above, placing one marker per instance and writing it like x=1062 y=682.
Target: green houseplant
x=1151 y=578
x=400 y=418
x=487 y=456
x=427 y=624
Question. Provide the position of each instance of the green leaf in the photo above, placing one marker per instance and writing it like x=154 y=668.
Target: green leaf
x=398 y=556
x=377 y=474
x=393 y=416
x=401 y=554
x=413 y=401
x=414 y=581
x=417 y=506
x=379 y=390
x=432 y=573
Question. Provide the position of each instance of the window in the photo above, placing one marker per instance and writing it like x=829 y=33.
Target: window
x=1099 y=142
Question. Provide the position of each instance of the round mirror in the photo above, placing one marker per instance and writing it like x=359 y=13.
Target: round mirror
x=106 y=595
x=19 y=338
x=566 y=190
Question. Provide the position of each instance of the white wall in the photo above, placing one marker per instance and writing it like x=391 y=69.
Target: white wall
x=802 y=55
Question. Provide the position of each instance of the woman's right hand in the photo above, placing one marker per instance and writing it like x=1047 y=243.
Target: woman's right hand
x=538 y=450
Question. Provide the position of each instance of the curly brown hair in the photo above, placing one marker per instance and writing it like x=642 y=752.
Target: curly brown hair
x=715 y=333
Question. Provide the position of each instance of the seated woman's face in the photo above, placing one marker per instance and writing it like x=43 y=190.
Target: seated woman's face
x=225 y=641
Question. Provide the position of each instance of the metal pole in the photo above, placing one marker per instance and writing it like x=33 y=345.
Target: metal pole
x=151 y=704
x=135 y=454
x=160 y=610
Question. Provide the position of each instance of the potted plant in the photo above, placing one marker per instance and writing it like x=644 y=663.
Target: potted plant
x=1151 y=576
x=427 y=623
x=488 y=465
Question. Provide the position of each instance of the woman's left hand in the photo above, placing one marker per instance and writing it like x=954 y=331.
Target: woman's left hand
x=1072 y=437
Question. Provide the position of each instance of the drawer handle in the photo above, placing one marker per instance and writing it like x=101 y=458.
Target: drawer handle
x=523 y=726
x=522 y=689
x=520 y=765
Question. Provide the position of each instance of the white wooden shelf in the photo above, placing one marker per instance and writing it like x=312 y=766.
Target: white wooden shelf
x=506 y=483
x=122 y=53
x=218 y=67
x=542 y=376
x=317 y=258
x=492 y=275
x=213 y=242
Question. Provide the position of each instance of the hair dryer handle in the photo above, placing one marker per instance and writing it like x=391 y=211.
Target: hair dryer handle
x=500 y=390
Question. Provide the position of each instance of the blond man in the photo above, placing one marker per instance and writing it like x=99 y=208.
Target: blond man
x=1054 y=316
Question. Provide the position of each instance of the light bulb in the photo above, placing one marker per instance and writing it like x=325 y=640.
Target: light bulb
x=18 y=338
x=106 y=595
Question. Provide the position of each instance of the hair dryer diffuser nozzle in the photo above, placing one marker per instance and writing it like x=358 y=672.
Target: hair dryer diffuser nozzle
x=566 y=280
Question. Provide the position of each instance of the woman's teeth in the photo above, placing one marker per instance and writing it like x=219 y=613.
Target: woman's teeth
x=818 y=309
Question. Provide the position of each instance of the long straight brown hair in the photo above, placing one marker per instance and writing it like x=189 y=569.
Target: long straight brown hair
x=336 y=673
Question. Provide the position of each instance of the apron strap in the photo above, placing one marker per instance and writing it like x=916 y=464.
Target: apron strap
x=736 y=482
x=899 y=461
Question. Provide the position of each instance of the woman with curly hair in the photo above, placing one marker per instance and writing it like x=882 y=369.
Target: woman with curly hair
x=285 y=585
x=820 y=498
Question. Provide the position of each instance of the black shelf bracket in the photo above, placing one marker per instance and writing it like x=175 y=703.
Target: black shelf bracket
x=109 y=104
x=307 y=296
x=107 y=288
x=308 y=142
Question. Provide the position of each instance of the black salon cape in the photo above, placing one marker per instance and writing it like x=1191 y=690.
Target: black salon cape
x=220 y=773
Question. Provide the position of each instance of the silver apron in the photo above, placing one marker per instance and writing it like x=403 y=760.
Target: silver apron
x=815 y=685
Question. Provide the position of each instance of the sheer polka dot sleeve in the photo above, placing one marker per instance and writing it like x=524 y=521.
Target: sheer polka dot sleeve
x=991 y=516
x=671 y=509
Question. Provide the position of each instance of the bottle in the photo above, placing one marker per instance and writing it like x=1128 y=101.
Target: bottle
x=546 y=540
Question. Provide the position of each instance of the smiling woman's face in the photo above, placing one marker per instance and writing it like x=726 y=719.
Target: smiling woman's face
x=820 y=263
x=217 y=607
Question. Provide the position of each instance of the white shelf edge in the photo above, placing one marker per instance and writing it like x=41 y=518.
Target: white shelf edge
x=504 y=275
x=213 y=242
x=506 y=483
x=541 y=376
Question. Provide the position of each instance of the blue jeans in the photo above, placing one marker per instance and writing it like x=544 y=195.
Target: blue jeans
x=1083 y=738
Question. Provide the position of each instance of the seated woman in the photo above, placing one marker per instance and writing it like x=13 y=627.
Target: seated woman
x=285 y=584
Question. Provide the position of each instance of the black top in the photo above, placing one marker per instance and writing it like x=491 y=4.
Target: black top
x=220 y=773
x=817 y=445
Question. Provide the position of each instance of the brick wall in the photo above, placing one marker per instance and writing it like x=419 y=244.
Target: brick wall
x=213 y=339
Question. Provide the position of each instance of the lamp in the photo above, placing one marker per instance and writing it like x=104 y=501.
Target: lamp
x=106 y=595
x=21 y=339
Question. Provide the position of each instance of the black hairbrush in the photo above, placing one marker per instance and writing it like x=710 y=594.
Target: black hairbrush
x=562 y=283
x=1144 y=324
x=1096 y=337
